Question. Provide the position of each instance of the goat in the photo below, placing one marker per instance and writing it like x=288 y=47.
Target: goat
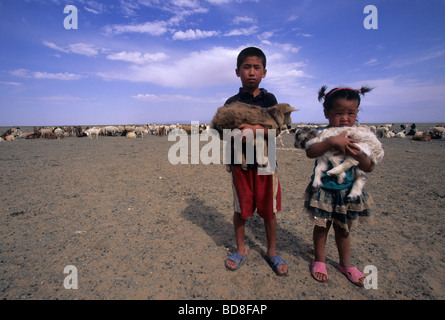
x=367 y=141
x=233 y=115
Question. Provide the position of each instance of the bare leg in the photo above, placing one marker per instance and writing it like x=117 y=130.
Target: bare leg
x=239 y=226
x=271 y=234
x=343 y=241
x=320 y=235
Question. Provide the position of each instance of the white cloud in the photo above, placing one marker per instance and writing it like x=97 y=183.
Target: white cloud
x=155 y=28
x=239 y=20
x=78 y=48
x=10 y=83
x=161 y=98
x=83 y=49
x=24 y=73
x=242 y=31
x=371 y=62
x=54 y=46
x=137 y=57
x=287 y=47
x=199 y=69
x=148 y=97
x=193 y=34
x=421 y=58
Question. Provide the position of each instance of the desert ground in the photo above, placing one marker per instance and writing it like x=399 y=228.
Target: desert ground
x=135 y=226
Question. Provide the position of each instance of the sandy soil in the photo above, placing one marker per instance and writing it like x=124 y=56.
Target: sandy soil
x=137 y=227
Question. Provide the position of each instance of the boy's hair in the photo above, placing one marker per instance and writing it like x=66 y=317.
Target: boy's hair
x=250 y=52
x=340 y=93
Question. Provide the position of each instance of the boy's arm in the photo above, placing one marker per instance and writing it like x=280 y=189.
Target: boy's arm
x=255 y=127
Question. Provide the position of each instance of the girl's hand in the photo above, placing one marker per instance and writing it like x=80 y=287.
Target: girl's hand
x=344 y=145
x=353 y=150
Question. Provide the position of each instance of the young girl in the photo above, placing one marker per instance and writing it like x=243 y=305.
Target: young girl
x=329 y=204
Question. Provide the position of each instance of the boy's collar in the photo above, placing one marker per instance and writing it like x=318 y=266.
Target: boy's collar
x=244 y=92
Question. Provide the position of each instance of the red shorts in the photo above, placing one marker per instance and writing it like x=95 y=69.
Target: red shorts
x=252 y=191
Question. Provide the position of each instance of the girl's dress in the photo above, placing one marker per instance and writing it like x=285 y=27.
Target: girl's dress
x=330 y=202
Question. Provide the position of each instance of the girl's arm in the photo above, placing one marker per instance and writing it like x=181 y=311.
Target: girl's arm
x=344 y=146
x=339 y=143
x=364 y=162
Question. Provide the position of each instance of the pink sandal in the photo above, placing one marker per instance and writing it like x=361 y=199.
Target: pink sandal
x=319 y=267
x=353 y=274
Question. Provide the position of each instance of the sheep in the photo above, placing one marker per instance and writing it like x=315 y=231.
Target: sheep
x=59 y=132
x=14 y=132
x=139 y=131
x=233 y=115
x=438 y=132
x=422 y=136
x=367 y=141
x=131 y=135
x=45 y=132
x=92 y=132
x=110 y=131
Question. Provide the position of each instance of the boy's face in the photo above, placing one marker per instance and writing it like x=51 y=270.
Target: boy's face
x=251 y=73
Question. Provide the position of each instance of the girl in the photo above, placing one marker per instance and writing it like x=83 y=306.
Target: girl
x=329 y=204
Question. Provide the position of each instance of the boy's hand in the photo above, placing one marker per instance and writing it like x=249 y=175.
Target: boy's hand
x=248 y=137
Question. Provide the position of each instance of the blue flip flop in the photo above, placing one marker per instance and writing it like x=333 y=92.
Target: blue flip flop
x=237 y=258
x=275 y=262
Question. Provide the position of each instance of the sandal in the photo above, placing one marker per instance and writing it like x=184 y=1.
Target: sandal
x=319 y=267
x=353 y=274
x=275 y=262
x=237 y=258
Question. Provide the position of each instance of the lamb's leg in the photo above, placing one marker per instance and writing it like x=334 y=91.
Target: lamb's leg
x=358 y=184
x=261 y=156
x=265 y=159
x=244 y=162
x=322 y=165
x=340 y=169
x=281 y=139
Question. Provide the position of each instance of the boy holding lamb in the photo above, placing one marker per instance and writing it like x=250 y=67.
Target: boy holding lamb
x=253 y=191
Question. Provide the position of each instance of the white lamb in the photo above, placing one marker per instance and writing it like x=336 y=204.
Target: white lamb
x=367 y=141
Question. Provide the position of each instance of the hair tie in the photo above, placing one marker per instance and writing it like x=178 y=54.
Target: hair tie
x=344 y=88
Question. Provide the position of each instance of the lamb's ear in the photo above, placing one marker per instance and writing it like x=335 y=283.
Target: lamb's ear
x=285 y=108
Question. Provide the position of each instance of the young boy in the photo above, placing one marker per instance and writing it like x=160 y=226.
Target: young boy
x=251 y=190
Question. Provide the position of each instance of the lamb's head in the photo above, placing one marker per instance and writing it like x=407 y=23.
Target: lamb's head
x=281 y=113
x=303 y=135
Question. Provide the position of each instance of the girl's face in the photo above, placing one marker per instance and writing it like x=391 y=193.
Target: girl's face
x=343 y=113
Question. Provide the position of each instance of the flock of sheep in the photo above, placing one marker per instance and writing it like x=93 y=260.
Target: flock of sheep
x=96 y=131
x=406 y=131
x=384 y=131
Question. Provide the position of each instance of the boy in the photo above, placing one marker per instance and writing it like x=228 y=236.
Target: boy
x=251 y=190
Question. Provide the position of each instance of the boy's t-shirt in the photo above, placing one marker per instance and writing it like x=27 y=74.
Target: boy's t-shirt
x=264 y=100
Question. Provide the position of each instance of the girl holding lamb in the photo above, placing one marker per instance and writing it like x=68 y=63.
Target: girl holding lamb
x=330 y=204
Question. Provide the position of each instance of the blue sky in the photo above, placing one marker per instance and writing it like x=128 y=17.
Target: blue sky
x=145 y=61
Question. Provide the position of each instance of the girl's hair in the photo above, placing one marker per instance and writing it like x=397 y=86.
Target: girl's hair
x=340 y=93
x=250 y=52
